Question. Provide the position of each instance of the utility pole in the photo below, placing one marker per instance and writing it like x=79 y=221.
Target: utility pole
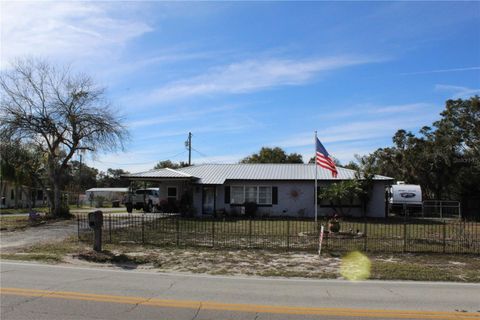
x=79 y=181
x=188 y=144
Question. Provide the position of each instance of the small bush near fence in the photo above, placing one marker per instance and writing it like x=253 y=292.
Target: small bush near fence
x=446 y=236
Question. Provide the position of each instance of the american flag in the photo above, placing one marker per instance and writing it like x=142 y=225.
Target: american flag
x=324 y=160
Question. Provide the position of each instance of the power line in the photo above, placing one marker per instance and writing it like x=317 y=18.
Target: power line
x=141 y=163
x=200 y=153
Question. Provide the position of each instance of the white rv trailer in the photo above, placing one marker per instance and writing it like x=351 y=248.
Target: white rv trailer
x=410 y=194
x=402 y=197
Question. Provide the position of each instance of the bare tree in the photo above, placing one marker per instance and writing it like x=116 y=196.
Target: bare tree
x=60 y=112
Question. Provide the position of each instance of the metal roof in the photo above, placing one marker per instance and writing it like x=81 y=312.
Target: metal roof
x=219 y=173
x=166 y=173
x=108 y=190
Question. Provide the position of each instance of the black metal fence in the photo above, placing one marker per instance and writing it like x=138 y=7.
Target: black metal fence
x=393 y=235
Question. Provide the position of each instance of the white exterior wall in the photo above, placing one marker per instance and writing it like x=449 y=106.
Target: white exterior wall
x=376 y=205
x=303 y=205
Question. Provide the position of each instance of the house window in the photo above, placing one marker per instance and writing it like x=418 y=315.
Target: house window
x=264 y=195
x=237 y=195
x=172 y=192
x=251 y=194
x=257 y=194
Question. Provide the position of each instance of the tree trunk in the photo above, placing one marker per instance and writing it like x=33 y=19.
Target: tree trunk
x=28 y=197
x=57 y=199
x=56 y=196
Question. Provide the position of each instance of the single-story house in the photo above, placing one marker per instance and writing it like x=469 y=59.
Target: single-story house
x=278 y=189
x=109 y=194
x=20 y=196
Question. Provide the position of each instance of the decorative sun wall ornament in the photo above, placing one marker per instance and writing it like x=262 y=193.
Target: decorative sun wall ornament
x=295 y=193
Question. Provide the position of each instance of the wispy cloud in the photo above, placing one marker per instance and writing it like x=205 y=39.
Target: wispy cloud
x=459 y=92
x=371 y=110
x=226 y=127
x=179 y=116
x=253 y=75
x=168 y=57
x=440 y=71
x=66 y=30
x=377 y=123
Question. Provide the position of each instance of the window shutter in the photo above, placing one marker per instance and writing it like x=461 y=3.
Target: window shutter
x=227 y=194
x=274 y=195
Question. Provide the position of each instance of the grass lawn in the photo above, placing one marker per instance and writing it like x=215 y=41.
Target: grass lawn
x=436 y=267
x=22 y=210
x=54 y=252
x=427 y=267
x=9 y=223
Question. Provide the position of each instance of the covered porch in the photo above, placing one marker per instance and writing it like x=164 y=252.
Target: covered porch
x=178 y=192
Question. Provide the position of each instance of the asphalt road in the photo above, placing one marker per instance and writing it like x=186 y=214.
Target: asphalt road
x=36 y=291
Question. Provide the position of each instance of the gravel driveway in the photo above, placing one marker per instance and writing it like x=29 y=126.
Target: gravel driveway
x=56 y=231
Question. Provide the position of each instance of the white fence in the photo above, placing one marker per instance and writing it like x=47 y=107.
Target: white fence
x=441 y=209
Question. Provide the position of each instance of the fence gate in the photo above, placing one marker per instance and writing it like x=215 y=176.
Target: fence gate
x=441 y=209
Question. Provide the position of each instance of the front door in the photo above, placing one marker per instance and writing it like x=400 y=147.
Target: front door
x=208 y=200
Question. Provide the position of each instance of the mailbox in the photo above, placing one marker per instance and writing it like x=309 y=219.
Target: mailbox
x=95 y=219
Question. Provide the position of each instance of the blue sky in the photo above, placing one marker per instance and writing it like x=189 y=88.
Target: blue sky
x=240 y=76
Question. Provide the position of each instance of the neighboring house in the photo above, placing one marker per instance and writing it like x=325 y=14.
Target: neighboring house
x=278 y=189
x=17 y=196
x=109 y=194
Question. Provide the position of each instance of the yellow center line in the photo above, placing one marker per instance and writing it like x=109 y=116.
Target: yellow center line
x=210 y=305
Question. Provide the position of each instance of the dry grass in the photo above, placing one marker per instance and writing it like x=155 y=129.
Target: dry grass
x=427 y=267
x=9 y=223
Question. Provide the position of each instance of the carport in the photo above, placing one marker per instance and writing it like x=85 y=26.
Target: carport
x=174 y=187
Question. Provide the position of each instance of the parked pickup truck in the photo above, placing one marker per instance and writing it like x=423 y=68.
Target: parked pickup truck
x=146 y=199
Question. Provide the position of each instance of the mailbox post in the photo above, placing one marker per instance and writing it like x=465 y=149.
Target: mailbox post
x=95 y=221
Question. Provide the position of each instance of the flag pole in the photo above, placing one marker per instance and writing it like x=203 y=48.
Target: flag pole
x=315 y=166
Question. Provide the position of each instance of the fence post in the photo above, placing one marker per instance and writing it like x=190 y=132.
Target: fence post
x=213 y=233
x=404 y=236
x=444 y=236
x=441 y=210
x=250 y=233
x=288 y=234
x=78 y=227
x=143 y=230
x=110 y=227
x=365 y=225
x=177 y=231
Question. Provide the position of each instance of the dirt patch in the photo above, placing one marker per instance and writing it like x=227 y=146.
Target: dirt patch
x=428 y=267
x=219 y=262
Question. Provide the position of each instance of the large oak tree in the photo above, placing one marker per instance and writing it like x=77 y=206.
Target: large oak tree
x=58 y=111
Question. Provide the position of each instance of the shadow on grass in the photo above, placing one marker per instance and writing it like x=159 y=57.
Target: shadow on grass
x=120 y=260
